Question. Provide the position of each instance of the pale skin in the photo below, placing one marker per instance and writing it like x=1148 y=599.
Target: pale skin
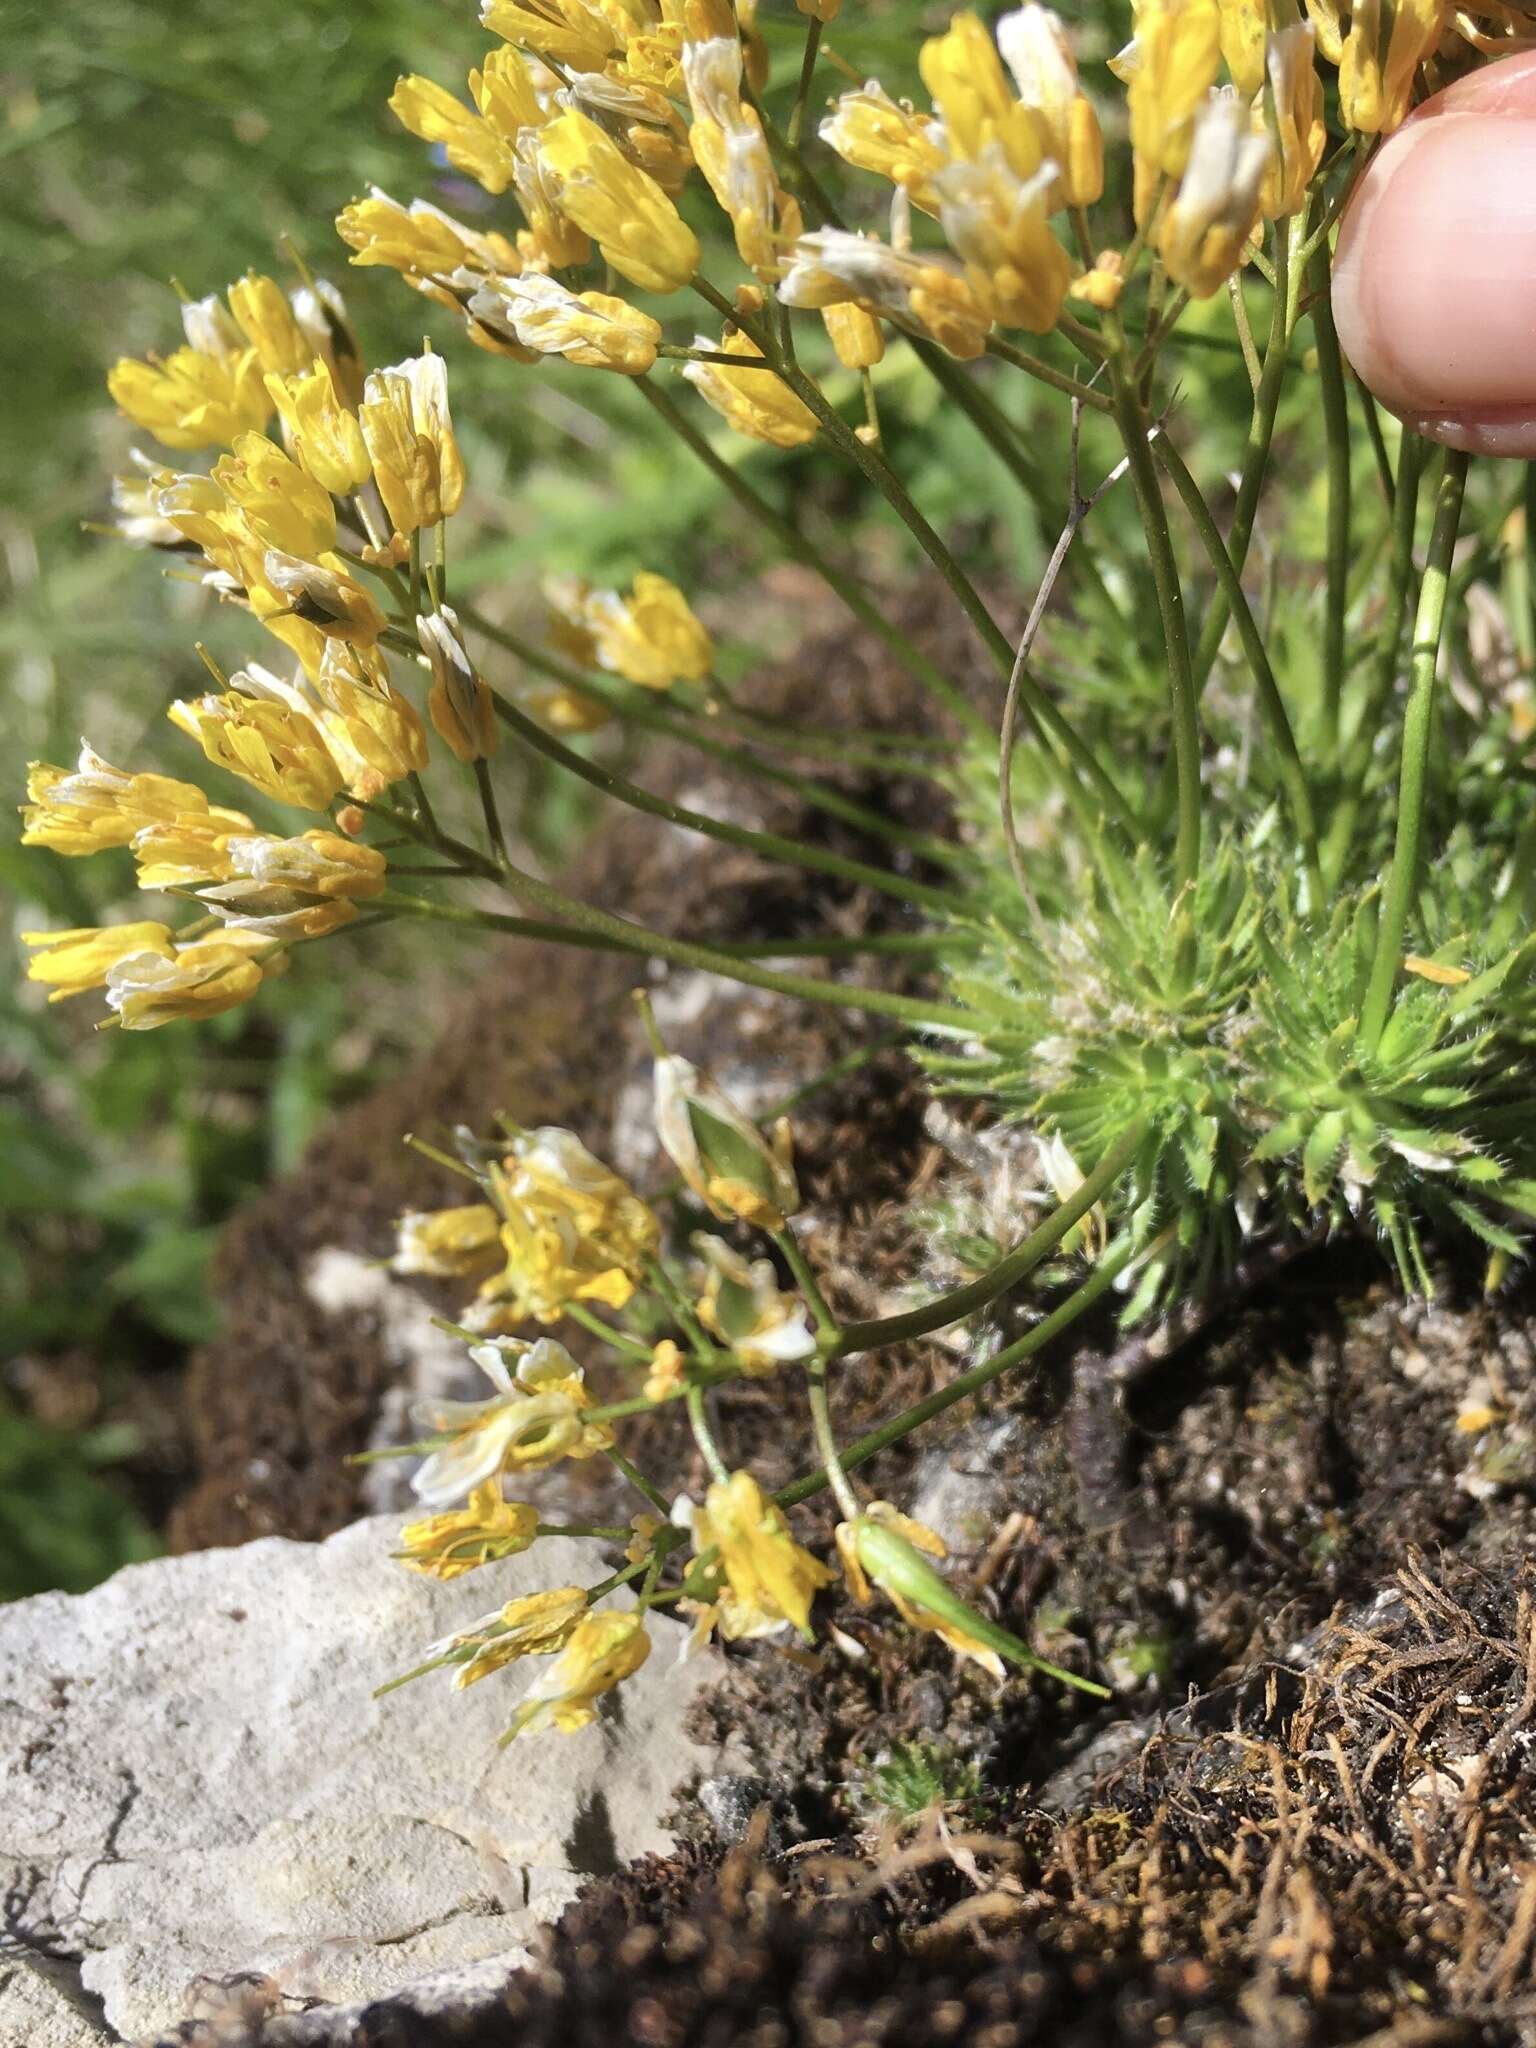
x=1434 y=283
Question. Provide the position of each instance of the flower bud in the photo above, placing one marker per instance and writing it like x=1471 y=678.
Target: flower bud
x=732 y=1168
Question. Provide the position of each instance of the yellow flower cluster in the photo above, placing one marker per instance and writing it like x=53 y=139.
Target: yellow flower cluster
x=364 y=463
x=559 y=1227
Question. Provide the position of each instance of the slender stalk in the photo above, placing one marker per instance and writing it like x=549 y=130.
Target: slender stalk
x=803 y=89
x=495 y=837
x=769 y=845
x=1418 y=727
x=704 y=1436
x=1261 y=432
x=621 y=1341
x=1288 y=764
x=1045 y=373
x=642 y=1485
x=1371 y=413
x=1330 y=366
x=1183 y=696
x=887 y=945
x=1008 y=1272
x=795 y=544
x=1105 y=1273
x=885 y=751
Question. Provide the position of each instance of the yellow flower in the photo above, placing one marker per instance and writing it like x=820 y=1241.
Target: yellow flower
x=1294 y=105
x=962 y=71
x=462 y=1243
x=1244 y=28
x=871 y=131
x=996 y=223
x=771 y=1579
x=857 y=338
x=71 y=962
x=505 y=91
x=1384 y=48
x=745 y=1308
x=732 y=1168
x=324 y=433
x=537 y=1625
x=292 y=888
x=468 y=140
x=321 y=313
x=820 y=10
x=636 y=226
x=753 y=401
x=1206 y=228
x=731 y=150
x=410 y=439
x=582 y=37
x=375 y=734
x=1170 y=67
x=271 y=743
x=182 y=852
x=321 y=596
x=446 y=1546
x=420 y=240
x=667 y=1373
x=147 y=990
x=266 y=319
x=572 y=1230
x=588 y=328
x=281 y=503
x=891 y=1549
x=532 y=1420
x=1102 y=285
x=832 y=267
x=649 y=637
x=603 y=1650
x=96 y=805
x=459 y=704
x=1034 y=45
x=192 y=400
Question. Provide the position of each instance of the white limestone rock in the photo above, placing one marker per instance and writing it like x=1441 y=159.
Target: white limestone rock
x=195 y=1779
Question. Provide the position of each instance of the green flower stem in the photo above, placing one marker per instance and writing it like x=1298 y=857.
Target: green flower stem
x=1008 y=1272
x=875 y=469
x=886 y=751
x=1077 y=1305
x=1044 y=373
x=1377 y=695
x=1418 y=728
x=704 y=1436
x=637 y=1479
x=1288 y=765
x=826 y=1436
x=1330 y=366
x=1261 y=432
x=631 y=1347
x=816 y=1372
x=1370 y=412
x=1183 y=696
x=495 y=837
x=897 y=945
x=803 y=89
x=661 y=718
x=917 y=664
x=770 y=845
x=594 y=1529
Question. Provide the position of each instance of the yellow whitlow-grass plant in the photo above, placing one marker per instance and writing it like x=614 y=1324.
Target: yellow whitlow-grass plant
x=1186 y=930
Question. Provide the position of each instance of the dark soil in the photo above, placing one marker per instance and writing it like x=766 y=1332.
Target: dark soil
x=1307 y=1816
